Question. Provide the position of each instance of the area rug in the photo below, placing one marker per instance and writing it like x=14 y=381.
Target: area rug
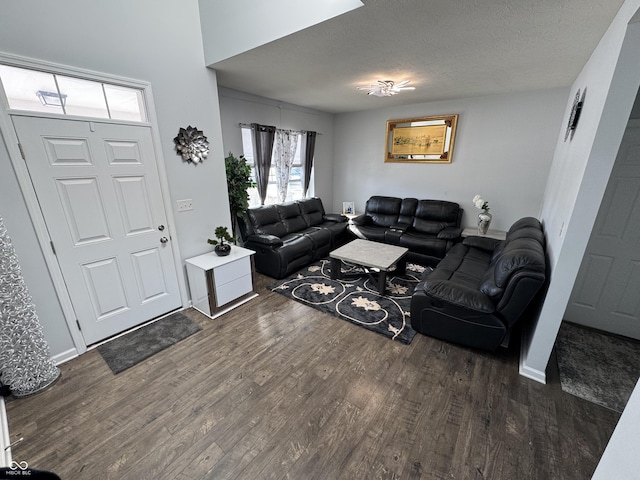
x=357 y=300
x=130 y=349
x=597 y=367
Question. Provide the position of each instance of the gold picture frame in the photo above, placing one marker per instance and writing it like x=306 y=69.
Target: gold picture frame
x=421 y=139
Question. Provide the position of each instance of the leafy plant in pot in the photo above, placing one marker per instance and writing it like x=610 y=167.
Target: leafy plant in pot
x=221 y=248
x=239 y=181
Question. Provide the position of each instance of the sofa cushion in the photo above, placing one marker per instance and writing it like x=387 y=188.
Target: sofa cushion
x=457 y=276
x=525 y=222
x=407 y=210
x=321 y=237
x=383 y=211
x=265 y=220
x=510 y=257
x=312 y=211
x=291 y=217
x=519 y=254
x=338 y=229
x=462 y=264
x=372 y=232
x=432 y=216
x=423 y=244
x=295 y=246
x=527 y=232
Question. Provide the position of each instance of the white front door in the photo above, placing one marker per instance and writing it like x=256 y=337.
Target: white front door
x=99 y=192
x=607 y=293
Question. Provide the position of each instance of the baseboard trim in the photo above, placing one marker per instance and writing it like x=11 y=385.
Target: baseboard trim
x=524 y=369
x=5 y=451
x=65 y=356
x=532 y=373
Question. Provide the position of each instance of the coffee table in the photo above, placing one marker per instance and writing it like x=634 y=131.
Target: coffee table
x=374 y=257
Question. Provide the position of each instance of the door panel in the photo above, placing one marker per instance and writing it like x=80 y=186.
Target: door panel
x=99 y=191
x=84 y=210
x=606 y=293
x=133 y=191
x=149 y=274
x=106 y=287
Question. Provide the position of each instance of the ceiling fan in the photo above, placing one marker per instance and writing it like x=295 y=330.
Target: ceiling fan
x=386 y=88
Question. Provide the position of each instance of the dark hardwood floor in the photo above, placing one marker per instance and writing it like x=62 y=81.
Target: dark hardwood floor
x=276 y=389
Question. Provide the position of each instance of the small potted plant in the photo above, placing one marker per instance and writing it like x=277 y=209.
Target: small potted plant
x=221 y=248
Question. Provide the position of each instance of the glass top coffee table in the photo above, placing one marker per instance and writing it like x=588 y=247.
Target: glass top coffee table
x=374 y=257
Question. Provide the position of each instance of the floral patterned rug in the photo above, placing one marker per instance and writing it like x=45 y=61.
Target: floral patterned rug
x=357 y=299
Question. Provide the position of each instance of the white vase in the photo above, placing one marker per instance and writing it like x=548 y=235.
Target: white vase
x=484 y=220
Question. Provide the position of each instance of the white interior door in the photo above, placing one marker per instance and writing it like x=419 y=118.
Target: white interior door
x=607 y=293
x=99 y=191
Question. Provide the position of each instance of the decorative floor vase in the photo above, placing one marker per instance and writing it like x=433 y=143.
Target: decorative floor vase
x=484 y=220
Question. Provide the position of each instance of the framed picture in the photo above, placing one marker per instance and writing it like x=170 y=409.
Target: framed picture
x=348 y=208
x=421 y=139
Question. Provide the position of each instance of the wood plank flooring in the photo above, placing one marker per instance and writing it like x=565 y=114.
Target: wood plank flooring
x=278 y=390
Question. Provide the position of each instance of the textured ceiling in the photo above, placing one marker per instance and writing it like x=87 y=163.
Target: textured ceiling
x=448 y=49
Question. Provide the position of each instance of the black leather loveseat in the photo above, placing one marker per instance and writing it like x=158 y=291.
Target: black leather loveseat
x=428 y=228
x=289 y=236
x=482 y=287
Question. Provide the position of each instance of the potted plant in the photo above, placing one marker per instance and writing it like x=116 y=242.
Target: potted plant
x=221 y=248
x=239 y=181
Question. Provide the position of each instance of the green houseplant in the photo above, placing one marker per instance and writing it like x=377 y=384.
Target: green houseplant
x=239 y=180
x=221 y=248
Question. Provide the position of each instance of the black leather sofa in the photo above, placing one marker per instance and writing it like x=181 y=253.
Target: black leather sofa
x=482 y=287
x=428 y=228
x=289 y=236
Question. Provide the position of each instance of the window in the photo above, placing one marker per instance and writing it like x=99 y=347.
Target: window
x=45 y=92
x=294 y=191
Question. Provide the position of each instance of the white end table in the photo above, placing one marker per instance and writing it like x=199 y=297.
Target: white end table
x=473 y=232
x=219 y=284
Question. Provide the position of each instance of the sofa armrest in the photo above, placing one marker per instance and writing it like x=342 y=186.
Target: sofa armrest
x=363 y=219
x=459 y=295
x=483 y=243
x=334 y=217
x=264 y=239
x=450 y=233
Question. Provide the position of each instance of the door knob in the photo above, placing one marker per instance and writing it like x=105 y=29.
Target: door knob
x=164 y=240
x=161 y=227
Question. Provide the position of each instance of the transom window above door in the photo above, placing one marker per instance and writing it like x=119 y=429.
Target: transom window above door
x=37 y=91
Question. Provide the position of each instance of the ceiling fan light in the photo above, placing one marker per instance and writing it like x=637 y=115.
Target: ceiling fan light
x=385 y=88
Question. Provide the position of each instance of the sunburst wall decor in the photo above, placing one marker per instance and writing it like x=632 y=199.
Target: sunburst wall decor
x=191 y=144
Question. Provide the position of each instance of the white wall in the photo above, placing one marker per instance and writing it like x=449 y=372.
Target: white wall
x=225 y=35
x=239 y=107
x=503 y=151
x=152 y=40
x=580 y=171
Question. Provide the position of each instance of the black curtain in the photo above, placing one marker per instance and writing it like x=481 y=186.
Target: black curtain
x=262 y=137
x=309 y=147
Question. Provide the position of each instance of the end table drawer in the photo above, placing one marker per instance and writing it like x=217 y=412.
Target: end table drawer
x=231 y=271
x=233 y=289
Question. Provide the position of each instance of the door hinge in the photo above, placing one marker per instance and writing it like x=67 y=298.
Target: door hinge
x=53 y=247
x=78 y=323
x=21 y=151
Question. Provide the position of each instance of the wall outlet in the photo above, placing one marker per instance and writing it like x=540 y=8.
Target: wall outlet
x=185 y=205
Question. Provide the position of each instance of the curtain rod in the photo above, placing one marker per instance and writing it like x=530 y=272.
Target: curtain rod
x=248 y=125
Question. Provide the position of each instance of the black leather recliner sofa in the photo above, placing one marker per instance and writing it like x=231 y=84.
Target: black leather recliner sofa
x=428 y=228
x=289 y=236
x=482 y=287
